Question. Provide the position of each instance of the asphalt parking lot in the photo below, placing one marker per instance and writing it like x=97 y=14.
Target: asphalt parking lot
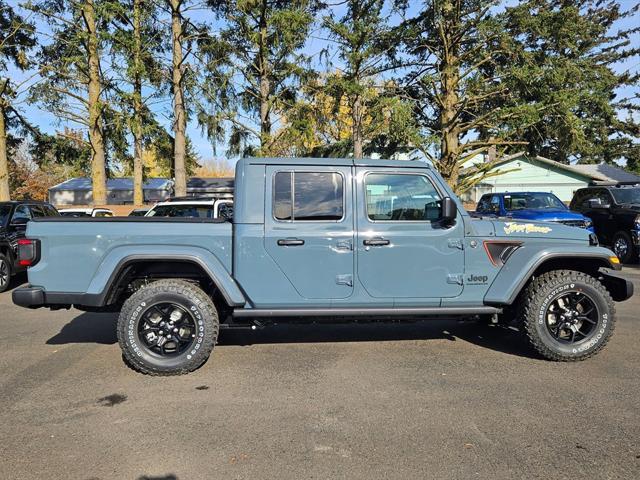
x=443 y=399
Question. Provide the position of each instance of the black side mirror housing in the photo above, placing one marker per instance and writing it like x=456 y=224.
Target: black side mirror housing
x=449 y=210
x=595 y=203
x=19 y=222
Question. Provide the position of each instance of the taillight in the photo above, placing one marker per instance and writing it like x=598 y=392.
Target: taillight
x=28 y=252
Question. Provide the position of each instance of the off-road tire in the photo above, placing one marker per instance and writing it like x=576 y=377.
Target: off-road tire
x=631 y=254
x=182 y=293
x=533 y=309
x=9 y=272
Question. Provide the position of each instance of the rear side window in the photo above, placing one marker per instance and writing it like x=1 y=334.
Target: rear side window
x=308 y=196
x=401 y=197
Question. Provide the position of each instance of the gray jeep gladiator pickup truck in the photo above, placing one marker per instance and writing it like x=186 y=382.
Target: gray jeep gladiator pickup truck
x=323 y=239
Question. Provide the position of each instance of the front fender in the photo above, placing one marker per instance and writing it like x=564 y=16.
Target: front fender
x=117 y=259
x=527 y=259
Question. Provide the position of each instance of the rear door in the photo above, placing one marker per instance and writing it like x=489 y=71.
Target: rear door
x=309 y=228
x=404 y=249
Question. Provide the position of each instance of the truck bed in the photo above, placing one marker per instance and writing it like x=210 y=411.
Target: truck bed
x=78 y=252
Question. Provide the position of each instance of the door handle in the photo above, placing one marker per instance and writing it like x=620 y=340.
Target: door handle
x=290 y=242
x=376 y=242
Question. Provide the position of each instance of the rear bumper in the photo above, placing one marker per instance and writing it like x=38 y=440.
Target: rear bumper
x=620 y=288
x=28 y=297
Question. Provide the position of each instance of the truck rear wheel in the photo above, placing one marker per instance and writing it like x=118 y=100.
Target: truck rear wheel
x=567 y=315
x=5 y=273
x=168 y=328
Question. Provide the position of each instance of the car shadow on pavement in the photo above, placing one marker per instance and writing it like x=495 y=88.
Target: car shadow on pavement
x=494 y=338
x=100 y=328
x=88 y=328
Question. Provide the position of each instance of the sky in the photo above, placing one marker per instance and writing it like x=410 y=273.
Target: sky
x=50 y=124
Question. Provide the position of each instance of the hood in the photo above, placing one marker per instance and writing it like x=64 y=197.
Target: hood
x=532 y=229
x=547 y=215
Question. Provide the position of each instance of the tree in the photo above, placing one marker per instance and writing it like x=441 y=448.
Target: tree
x=15 y=43
x=565 y=74
x=254 y=66
x=321 y=122
x=137 y=44
x=365 y=43
x=453 y=47
x=72 y=80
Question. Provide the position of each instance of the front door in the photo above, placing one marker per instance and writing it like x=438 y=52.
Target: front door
x=404 y=249
x=309 y=228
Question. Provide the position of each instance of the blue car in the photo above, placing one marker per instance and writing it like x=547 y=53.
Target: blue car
x=534 y=206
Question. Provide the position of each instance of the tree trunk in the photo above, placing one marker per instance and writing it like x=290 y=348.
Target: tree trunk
x=180 y=121
x=138 y=193
x=450 y=142
x=4 y=163
x=265 y=86
x=98 y=166
x=357 y=127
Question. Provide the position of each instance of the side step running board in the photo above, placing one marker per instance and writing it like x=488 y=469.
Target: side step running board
x=363 y=312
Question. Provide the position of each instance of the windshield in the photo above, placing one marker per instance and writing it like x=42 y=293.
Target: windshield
x=537 y=201
x=5 y=210
x=626 y=195
x=198 y=211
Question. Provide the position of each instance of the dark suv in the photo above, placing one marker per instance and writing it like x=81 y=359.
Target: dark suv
x=14 y=217
x=615 y=212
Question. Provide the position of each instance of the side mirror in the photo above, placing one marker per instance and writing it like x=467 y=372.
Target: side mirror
x=449 y=210
x=595 y=204
x=19 y=222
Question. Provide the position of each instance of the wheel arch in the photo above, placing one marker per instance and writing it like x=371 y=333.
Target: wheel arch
x=157 y=267
x=523 y=266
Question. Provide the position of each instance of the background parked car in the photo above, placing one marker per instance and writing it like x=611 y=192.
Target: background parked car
x=615 y=211
x=14 y=217
x=138 y=212
x=86 y=212
x=536 y=206
x=194 y=207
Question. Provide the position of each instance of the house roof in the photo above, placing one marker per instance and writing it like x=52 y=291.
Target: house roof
x=600 y=172
x=209 y=184
x=607 y=173
x=84 y=184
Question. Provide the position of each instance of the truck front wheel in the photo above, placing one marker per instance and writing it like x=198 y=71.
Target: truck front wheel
x=567 y=315
x=168 y=327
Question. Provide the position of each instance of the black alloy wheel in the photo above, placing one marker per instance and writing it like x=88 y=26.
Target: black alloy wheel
x=167 y=329
x=5 y=273
x=572 y=317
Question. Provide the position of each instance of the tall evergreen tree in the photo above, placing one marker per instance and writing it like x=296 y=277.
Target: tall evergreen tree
x=566 y=78
x=137 y=41
x=72 y=78
x=365 y=43
x=15 y=42
x=454 y=46
x=253 y=67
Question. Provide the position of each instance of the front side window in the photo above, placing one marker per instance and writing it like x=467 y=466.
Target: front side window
x=37 y=211
x=22 y=213
x=401 y=197
x=483 y=204
x=308 y=196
